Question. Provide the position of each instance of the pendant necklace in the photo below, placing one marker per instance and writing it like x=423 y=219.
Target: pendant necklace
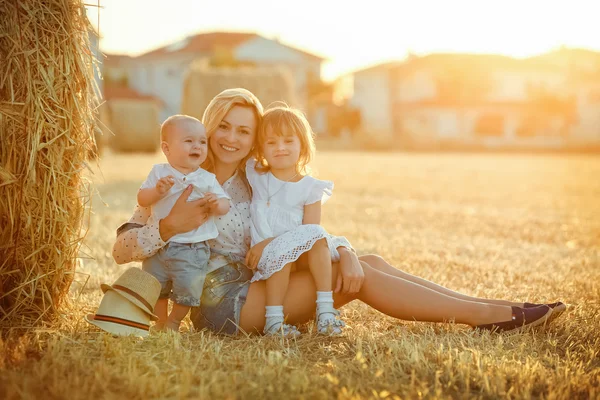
x=270 y=196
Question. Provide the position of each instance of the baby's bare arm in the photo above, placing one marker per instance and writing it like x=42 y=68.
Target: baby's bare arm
x=148 y=197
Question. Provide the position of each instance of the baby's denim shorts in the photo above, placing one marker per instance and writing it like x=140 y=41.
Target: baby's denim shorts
x=181 y=270
x=224 y=294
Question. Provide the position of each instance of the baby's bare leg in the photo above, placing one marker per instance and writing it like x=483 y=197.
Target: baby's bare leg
x=177 y=315
x=161 y=309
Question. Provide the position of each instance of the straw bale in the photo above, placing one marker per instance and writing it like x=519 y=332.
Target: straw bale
x=203 y=82
x=135 y=124
x=47 y=106
x=103 y=131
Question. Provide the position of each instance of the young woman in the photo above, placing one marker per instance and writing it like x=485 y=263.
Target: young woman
x=230 y=302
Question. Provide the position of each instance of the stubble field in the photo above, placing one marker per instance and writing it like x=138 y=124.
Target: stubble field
x=518 y=227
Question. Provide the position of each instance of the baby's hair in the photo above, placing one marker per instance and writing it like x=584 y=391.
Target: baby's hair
x=174 y=120
x=283 y=120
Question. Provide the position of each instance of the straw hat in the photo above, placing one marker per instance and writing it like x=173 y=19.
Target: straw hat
x=119 y=316
x=139 y=287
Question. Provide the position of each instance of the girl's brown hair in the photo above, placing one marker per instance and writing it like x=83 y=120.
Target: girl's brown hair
x=282 y=120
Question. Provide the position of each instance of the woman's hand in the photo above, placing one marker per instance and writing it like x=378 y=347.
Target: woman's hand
x=350 y=275
x=184 y=216
x=255 y=253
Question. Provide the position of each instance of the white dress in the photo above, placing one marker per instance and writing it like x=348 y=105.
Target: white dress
x=281 y=217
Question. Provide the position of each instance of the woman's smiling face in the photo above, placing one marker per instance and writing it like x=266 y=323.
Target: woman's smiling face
x=234 y=138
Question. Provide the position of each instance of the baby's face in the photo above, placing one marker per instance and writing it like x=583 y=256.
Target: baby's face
x=186 y=146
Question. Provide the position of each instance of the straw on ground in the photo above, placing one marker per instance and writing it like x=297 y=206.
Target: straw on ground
x=504 y=226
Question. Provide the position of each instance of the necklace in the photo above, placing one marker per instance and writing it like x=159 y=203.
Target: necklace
x=270 y=196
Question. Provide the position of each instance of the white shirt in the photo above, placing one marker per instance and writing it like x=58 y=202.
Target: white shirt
x=286 y=201
x=202 y=181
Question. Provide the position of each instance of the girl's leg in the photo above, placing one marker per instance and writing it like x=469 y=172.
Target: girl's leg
x=394 y=296
x=177 y=315
x=277 y=285
x=380 y=264
x=319 y=263
x=299 y=302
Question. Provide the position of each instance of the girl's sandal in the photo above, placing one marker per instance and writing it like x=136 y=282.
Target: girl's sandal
x=281 y=329
x=331 y=326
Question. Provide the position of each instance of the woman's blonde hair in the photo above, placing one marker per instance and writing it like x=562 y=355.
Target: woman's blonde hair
x=285 y=120
x=218 y=108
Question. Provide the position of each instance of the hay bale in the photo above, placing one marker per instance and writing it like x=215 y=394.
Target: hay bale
x=103 y=131
x=203 y=82
x=135 y=124
x=46 y=131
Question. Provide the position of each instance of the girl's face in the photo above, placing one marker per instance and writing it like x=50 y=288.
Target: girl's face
x=234 y=137
x=281 y=151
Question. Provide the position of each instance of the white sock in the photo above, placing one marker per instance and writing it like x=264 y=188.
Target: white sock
x=325 y=304
x=274 y=317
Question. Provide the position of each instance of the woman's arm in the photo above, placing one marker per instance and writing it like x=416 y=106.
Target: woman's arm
x=137 y=240
x=127 y=247
x=350 y=274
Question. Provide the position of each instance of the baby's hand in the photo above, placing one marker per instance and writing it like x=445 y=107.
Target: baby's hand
x=211 y=198
x=165 y=184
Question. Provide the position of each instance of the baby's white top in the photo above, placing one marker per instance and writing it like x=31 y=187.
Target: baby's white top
x=202 y=181
x=286 y=205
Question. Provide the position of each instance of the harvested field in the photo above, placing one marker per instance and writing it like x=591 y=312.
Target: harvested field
x=506 y=226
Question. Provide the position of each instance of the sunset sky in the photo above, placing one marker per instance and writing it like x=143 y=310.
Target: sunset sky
x=354 y=34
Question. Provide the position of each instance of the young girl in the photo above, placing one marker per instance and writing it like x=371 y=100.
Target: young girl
x=286 y=211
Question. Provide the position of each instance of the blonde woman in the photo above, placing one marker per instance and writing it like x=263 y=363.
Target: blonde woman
x=230 y=302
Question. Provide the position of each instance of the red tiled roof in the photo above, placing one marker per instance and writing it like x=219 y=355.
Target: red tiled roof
x=202 y=43
x=207 y=42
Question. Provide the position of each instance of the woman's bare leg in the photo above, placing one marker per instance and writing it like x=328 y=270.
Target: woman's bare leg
x=380 y=264
x=394 y=296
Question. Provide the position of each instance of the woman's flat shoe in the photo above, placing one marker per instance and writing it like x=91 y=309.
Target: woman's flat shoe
x=557 y=308
x=521 y=318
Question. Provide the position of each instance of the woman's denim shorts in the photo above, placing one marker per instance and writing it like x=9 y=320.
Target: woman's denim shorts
x=223 y=296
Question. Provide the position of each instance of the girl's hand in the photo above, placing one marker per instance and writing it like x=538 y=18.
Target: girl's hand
x=255 y=253
x=184 y=216
x=165 y=184
x=351 y=275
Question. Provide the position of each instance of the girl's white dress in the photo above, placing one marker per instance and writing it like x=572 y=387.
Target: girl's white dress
x=281 y=217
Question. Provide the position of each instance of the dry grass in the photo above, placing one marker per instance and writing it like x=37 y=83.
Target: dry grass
x=511 y=226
